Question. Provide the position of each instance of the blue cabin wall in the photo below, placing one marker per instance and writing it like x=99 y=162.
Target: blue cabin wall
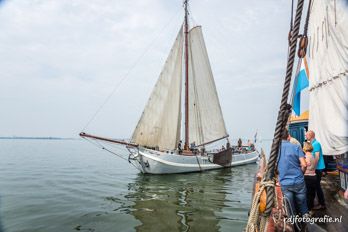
x=298 y=130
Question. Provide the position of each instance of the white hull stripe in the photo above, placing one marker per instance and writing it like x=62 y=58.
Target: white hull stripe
x=179 y=164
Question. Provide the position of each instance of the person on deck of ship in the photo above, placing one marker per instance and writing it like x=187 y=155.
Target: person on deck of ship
x=193 y=146
x=251 y=145
x=228 y=145
x=179 y=147
x=310 y=176
x=294 y=141
x=291 y=166
x=318 y=155
x=239 y=142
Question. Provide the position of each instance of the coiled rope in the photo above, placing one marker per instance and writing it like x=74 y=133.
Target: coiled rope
x=254 y=211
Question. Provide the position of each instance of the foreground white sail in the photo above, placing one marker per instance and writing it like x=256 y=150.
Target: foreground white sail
x=328 y=68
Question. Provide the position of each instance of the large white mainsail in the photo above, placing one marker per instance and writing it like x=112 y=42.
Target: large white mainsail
x=160 y=122
x=328 y=68
x=206 y=122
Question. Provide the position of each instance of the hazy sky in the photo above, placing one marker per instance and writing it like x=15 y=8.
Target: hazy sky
x=61 y=59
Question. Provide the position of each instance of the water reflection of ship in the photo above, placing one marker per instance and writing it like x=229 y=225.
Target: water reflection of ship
x=179 y=202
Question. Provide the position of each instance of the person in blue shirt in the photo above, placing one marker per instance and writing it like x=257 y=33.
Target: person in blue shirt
x=291 y=166
x=318 y=155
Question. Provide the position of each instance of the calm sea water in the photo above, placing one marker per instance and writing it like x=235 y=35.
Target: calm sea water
x=70 y=185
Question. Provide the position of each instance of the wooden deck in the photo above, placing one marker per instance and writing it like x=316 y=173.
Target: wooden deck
x=336 y=206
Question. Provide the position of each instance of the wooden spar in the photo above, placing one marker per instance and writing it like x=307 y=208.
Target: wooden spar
x=84 y=135
x=186 y=146
x=203 y=144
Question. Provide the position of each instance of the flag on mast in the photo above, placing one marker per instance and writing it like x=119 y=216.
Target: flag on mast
x=301 y=82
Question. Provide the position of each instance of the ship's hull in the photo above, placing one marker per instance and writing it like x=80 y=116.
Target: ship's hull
x=244 y=158
x=156 y=162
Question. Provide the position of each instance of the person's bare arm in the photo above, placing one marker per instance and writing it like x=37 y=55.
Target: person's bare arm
x=303 y=164
x=317 y=155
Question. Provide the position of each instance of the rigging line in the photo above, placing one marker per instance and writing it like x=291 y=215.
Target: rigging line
x=190 y=16
x=335 y=13
x=97 y=144
x=118 y=156
x=199 y=165
x=94 y=143
x=292 y=15
x=119 y=83
x=305 y=31
x=307 y=18
x=291 y=25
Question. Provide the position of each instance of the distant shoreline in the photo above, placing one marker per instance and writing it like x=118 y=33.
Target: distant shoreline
x=38 y=138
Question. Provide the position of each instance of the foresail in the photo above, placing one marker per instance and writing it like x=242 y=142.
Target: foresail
x=159 y=125
x=206 y=122
x=328 y=71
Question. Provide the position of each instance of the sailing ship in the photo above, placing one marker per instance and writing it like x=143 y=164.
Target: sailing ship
x=325 y=46
x=155 y=145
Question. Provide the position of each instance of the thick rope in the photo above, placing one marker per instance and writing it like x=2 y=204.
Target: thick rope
x=263 y=223
x=254 y=211
x=283 y=108
x=269 y=182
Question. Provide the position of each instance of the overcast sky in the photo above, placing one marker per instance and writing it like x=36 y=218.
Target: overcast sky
x=59 y=61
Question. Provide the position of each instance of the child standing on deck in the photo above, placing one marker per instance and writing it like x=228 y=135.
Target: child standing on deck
x=310 y=176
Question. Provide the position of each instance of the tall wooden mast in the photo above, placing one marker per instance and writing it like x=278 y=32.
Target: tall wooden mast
x=186 y=146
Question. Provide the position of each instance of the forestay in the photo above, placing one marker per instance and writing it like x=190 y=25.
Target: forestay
x=328 y=68
x=206 y=122
x=159 y=124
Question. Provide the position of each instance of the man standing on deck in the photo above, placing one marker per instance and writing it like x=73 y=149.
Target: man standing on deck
x=291 y=166
x=318 y=155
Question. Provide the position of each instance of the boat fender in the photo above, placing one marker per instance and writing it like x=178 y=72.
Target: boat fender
x=263 y=198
